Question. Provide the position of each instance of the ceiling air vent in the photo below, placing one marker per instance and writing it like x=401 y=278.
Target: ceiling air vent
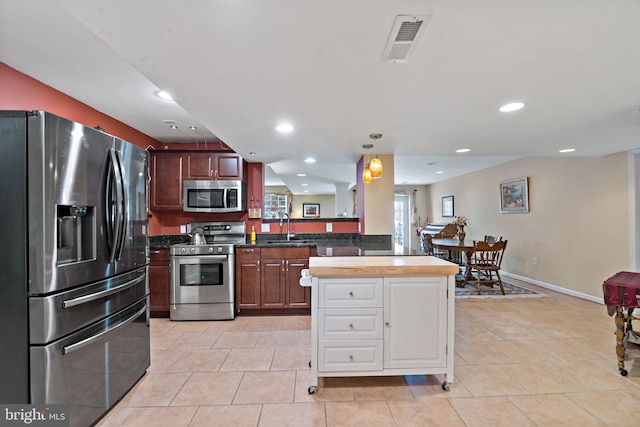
x=405 y=33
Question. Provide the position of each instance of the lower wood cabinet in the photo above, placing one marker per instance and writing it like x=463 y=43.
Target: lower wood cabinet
x=159 y=282
x=267 y=279
x=247 y=278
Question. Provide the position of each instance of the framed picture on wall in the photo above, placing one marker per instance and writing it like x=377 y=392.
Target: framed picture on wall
x=311 y=210
x=447 y=206
x=514 y=196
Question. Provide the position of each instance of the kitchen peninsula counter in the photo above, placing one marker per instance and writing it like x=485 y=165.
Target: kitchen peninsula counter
x=381 y=315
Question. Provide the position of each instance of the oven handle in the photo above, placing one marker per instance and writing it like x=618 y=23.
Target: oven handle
x=73 y=347
x=182 y=259
x=92 y=297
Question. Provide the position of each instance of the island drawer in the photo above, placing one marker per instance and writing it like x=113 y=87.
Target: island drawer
x=358 y=292
x=343 y=355
x=357 y=323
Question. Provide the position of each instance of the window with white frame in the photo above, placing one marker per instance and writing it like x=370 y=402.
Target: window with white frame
x=275 y=205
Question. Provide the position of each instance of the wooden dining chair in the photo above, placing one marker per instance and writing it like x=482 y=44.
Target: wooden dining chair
x=492 y=239
x=486 y=260
x=429 y=249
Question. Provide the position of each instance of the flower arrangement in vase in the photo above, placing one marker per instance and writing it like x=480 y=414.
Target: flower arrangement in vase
x=461 y=222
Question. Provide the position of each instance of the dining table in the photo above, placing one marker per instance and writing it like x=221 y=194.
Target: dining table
x=465 y=246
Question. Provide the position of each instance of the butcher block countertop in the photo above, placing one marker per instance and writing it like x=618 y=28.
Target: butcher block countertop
x=380 y=266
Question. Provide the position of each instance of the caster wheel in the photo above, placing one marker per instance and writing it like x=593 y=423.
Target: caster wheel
x=311 y=390
x=445 y=386
x=623 y=372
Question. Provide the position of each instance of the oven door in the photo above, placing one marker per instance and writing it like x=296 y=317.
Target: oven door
x=204 y=279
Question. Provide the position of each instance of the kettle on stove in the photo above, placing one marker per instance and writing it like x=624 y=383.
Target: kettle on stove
x=197 y=237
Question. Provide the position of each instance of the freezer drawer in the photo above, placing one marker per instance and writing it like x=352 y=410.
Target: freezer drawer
x=60 y=314
x=93 y=368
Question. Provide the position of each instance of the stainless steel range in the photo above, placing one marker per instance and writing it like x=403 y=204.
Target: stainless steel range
x=203 y=272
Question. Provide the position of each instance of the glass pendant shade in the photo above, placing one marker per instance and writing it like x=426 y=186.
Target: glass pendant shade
x=366 y=175
x=376 y=167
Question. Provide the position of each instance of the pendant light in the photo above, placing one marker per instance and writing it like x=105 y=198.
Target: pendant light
x=366 y=175
x=376 y=164
x=366 y=172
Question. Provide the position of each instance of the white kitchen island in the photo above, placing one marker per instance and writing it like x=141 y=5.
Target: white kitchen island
x=381 y=315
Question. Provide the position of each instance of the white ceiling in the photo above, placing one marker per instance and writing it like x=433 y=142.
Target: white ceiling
x=237 y=68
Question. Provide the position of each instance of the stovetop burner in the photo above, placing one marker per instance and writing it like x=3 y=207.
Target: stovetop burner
x=220 y=239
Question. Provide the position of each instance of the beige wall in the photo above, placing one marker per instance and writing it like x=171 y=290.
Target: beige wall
x=378 y=200
x=327 y=204
x=577 y=226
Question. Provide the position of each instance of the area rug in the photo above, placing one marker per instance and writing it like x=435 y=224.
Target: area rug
x=470 y=290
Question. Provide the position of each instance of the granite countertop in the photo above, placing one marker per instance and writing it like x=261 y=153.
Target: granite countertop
x=327 y=245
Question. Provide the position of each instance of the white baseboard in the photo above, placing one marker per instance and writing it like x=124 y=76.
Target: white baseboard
x=554 y=287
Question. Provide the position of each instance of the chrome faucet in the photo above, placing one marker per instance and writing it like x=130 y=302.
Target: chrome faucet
x=289 y=233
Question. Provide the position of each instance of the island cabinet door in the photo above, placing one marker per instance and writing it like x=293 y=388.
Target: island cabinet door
x=273 y=281
x=415 y=322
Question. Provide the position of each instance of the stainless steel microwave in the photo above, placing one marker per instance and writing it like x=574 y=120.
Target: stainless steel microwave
x=214 y=196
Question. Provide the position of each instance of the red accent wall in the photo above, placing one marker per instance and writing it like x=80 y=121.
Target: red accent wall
x=21 y=92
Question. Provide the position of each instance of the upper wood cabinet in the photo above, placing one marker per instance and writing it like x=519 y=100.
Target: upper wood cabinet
x=213 y=166
x=170 y=168
x=166 y=180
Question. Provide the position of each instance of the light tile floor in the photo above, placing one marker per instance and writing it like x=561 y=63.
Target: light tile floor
x=518 y=361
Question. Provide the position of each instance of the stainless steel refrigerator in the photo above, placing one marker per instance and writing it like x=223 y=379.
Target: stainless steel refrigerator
x=74 y=323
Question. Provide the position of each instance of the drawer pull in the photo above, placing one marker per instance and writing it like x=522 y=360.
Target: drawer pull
x=386 y=323
x=350 y=325
x=351 y=357
x=351 y=294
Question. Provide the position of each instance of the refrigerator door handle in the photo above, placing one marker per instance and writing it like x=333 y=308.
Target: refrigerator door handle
x=97 y=295
x=114 y=209
x=85 y=342
x=123 y=212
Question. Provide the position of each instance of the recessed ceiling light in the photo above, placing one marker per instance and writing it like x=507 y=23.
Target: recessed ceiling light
x=193 y=127
x=463 y=150
x=514 y=106
x=252 y=153
x=439 y=171
x=301 y=174
x=284 y=127
x=304 y=185
x=567 y=150
x=305 y=191
x=309 y=160
x=164 y=95
x=174 y=127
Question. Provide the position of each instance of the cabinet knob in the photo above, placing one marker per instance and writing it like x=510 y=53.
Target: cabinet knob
x=351 y=357
x=386 y=323
x=350 y=325
x=351 y=294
